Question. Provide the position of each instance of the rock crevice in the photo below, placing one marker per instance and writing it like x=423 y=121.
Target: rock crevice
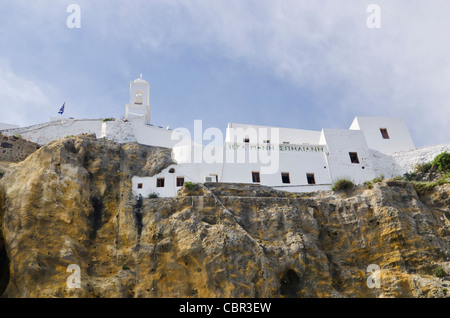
x=70 y=202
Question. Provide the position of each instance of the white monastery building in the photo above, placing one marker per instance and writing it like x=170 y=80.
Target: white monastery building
x=287 y=159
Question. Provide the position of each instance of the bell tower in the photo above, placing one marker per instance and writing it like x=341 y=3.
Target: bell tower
x=139 y=105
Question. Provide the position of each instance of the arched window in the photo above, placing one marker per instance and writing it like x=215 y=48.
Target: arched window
x=139 y=98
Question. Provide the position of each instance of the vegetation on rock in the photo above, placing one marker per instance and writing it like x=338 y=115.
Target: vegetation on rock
x=442 y=161
x=342 y=184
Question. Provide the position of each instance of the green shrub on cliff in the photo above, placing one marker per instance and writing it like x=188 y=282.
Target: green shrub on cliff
x=342 y=185
x=378 y=179
x=153 y=195
x=439 y=272
x=442 y=161
x=368 y=184
x=422 y=167
x=422 y=187
x=189 y=185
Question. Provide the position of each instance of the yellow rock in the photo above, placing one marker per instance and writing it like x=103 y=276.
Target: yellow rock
x=70 y=202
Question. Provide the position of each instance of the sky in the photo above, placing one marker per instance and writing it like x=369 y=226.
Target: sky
x=296 y=64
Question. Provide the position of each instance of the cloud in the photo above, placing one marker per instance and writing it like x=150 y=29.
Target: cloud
x=402 y=69
x=323 y=47
x=21 y=99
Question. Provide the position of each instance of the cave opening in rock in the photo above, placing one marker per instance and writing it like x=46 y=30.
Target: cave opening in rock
x=137 y=211
x=4 y=268
x=290 y=284
x=95 y=217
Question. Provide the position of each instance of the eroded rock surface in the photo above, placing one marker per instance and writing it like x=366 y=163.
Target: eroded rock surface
x=70 y=202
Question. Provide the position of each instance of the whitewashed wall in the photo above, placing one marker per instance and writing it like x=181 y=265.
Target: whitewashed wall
x=407 y=160
x=399 y=136
x=291 y=135
x=47 y=132
x=297 y=160
x=152 y=135
x=118 y=130
x=194 y=173
x=340 y=143
x=7 y=126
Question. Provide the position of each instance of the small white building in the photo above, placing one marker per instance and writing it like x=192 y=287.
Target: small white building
x=288 y=159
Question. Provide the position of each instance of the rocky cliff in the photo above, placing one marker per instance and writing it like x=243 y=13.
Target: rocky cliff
x=71 y=202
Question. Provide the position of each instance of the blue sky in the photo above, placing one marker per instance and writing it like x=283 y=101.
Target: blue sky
x=300 y=64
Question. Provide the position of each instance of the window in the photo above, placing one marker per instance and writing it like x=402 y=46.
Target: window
x=215 y=176
x=353 y=157
x=285 y=177
x=310 y=178
x=139 y=97
x=180 y=181
x=266 y=141
x=160 y=183
x=140 y=185
x=286 y=142
x=384 y=133
x=255 y=177
x=247 y=140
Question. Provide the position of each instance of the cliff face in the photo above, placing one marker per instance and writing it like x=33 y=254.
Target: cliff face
x=14 y=149
x=70 y=202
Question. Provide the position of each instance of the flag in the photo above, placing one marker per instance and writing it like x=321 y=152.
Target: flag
x=61 y=110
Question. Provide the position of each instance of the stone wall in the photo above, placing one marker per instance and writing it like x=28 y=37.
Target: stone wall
x=48 y=132
x=15 y=149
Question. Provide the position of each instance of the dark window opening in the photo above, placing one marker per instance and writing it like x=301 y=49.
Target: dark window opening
x=286 y=142
x=353 y=157
x=290 y=284
x=180 y=181
x=140 y=185
x=171 y=170
x=285 y=177
x=310 y=178
x=384 y=133
x=266 y=141
x=255 y=177
x=160 y=183
x=247 y=140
